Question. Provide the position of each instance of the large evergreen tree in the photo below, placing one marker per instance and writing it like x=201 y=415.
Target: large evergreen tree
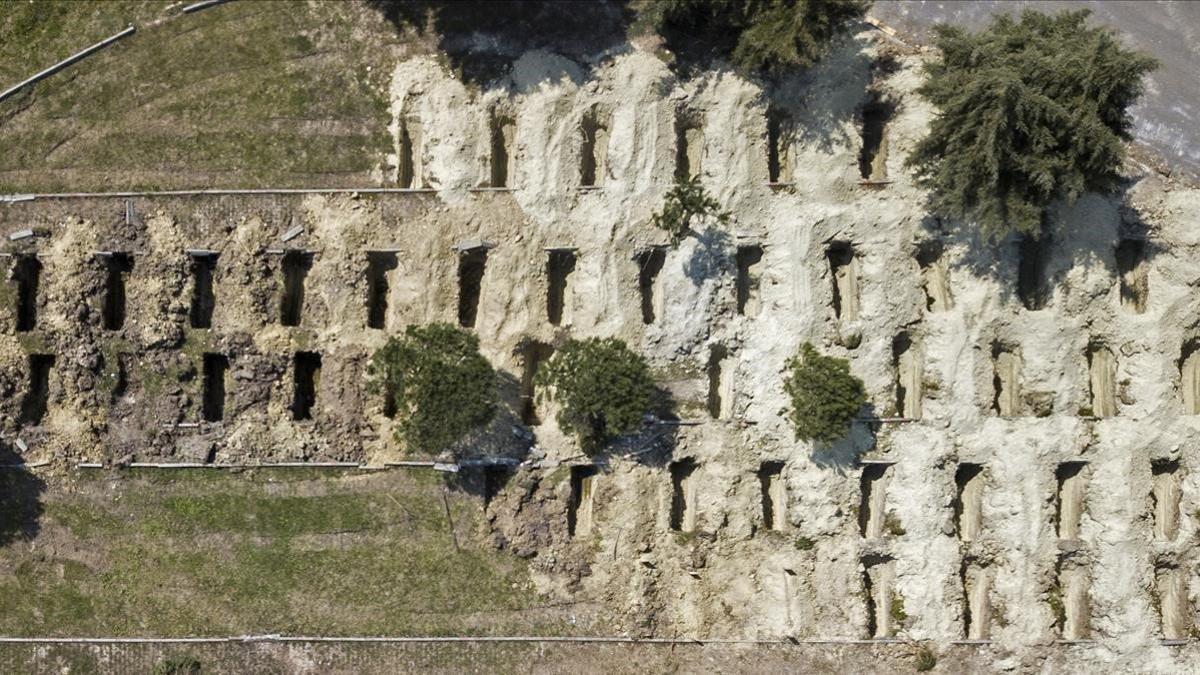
x=436 y=383
x=1030 y=111
x=764 y=36
x=604 y=389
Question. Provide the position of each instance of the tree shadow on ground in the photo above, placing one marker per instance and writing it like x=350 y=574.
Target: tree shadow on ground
x=654 y=445
x=817 y=105
x=482 y=38
x=20 y=499
x=712 y=256
x=843 y=454
x=1029 y=268
x=492 y=452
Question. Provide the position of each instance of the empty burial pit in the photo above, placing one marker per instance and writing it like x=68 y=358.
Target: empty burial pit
x=503 y=130
x=683 y=495
x=306 y=377
x=583 y=491
x=689 y=145
x=977 y=610
x=409 y=154
x=471 y=265
x=1102 y=379
x=843 y=267
x=1070 y=503
x=872 y=159
x=872 y=504
x=718 y=381
x=907 y=361
x=533 y=355
x=37 y=390
x=1189 y=377
x=774 y=496
x=1033 y=254
x=879 y=579
x=1175 y=610
x=495 y=477
x=1132 y=270
x=1165 y=494
x=748 y=279
x=27 y=273
x=380 y=265
x=650 y=264
x=968 y=501
x=779 y=142
x=593 y=150
x=120 y=378
x=117 y=267
x=215 y=367
x=1006 y=380
x=294 y=266
x=204 y=300
x=560 y=264
x=934 y=277
x=1074 y=590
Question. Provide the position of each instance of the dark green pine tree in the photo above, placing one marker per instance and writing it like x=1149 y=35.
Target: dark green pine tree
x=763 y=36
x=436 y=384
x=603 y=387
x=1029 y=111
x=824 y=396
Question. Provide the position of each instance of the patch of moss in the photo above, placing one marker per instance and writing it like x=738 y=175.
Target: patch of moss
x=804 y=543
x=33 y=343
x=1057 y=608
x=897 y=609
x=925 y=659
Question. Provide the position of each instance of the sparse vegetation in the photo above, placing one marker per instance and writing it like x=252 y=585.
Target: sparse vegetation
x=440 y=386
x=604 y=389
x=290 y=551
x=925 y=659
x=242 y=95
x=178 y=665
x=760 y=36
x=804 y=543
x=686 y=201
x=825 y=397
x=897 y=609
x=1057 y=609
x=1031 y=111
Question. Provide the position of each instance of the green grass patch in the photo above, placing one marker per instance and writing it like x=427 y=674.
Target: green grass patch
x=218 y=553
x=247 y=94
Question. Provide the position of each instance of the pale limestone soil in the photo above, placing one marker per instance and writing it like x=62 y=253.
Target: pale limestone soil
x=730 y=577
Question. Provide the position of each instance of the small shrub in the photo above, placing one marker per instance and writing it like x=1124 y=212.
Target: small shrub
x=604 y=389
x=178 y=665
x=925 y=659
x=804 y=543
x=440 y=386
x=1030 y=111
x=685 y=201
x=825 y=397
x=891 y=525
